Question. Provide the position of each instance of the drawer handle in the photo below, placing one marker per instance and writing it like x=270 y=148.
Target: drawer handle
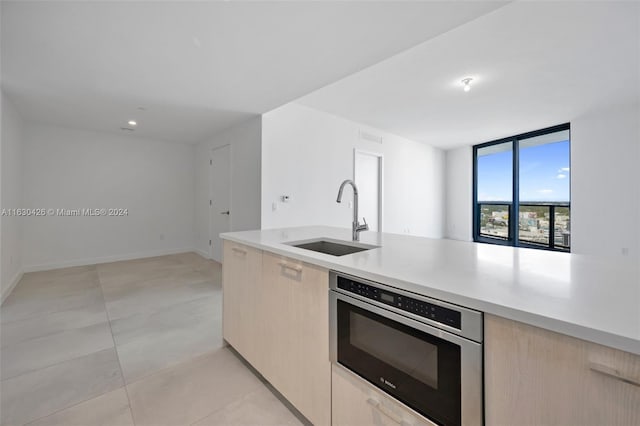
x=238 y=250
x=383 y=410
x=613 y=373
x=295 y=268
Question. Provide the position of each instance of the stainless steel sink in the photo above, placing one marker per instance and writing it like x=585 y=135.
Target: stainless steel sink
x=332 y=247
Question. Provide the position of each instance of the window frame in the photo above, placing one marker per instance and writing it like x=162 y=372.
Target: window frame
x=514 y=211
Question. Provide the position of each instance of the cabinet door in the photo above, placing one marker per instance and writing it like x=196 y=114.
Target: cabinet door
x=538 y=377
x=297 y=353
x=241 y=286
x=358 y=403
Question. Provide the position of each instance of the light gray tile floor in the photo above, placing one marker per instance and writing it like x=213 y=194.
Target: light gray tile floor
x=126 y=343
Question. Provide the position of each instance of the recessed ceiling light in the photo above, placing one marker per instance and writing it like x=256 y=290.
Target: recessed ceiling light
x=132 y=123
x=467 y=83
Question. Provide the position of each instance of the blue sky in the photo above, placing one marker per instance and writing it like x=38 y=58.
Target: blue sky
x=544 y=174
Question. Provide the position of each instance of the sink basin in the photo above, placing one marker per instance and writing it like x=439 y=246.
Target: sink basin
x=332 y=247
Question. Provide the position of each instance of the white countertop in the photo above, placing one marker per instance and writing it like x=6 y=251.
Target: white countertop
x=587 y=297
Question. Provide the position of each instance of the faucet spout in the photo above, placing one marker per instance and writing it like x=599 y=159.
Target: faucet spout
x=342 y=185
x=356 y=228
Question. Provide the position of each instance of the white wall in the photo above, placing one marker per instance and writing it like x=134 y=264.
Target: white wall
x=605 y=184
x=71 y=169
x=459 y=181
x=245 y=142
x=11 y=227
x=306 y=154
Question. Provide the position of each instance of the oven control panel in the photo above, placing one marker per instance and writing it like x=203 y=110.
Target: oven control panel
x=418 y=307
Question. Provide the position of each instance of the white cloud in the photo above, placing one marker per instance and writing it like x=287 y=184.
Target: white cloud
x=545 y=191
x=565 y=169
x=561 y=176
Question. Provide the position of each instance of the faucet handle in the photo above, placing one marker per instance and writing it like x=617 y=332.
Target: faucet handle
x=364 y=227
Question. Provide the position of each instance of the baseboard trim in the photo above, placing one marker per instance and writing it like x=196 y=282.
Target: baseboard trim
x=202 y=253
x=14 y=281
x=106 y=259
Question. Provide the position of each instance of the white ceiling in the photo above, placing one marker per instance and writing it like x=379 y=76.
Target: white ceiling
x=534 y=64
x=198 y=67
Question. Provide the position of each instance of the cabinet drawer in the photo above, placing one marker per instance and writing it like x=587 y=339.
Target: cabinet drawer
x=539 y=377
x=355 y=402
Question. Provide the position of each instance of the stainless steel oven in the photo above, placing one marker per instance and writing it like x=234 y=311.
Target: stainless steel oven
x=424 y=352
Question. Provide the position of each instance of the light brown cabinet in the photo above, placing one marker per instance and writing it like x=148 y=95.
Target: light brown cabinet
x=358 y=403
x=242 y=294
x=538 y=377
x=297 y=355
x=276 y=315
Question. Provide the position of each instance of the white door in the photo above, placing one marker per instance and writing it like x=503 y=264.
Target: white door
x=367 y=172
x=220 y=211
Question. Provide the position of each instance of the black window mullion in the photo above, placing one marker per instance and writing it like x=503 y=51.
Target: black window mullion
x=475 y=206
x=552 y=226
x=515 y=216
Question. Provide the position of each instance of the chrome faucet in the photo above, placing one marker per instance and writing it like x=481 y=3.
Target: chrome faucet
x=355 y=226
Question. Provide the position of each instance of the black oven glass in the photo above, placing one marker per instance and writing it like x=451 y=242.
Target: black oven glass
x=417 y=358
x=419 y=369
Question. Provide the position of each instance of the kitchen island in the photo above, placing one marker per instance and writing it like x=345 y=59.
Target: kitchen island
x=555 y=323
x=590 y=298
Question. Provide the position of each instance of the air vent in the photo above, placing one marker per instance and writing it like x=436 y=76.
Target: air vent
x=128 y=129
x=368 y=136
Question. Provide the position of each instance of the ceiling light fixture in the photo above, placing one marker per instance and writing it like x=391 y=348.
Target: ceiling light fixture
x=133 y=123
x=467 y=83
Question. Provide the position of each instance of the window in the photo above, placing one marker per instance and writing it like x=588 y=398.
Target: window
x=521 y=190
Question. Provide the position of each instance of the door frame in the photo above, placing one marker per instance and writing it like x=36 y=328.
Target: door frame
x=211 y=153
x=380 y=157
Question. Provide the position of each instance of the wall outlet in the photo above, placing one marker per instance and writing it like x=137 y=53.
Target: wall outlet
x=161 y=237
x=625 y=251
x=274 y=206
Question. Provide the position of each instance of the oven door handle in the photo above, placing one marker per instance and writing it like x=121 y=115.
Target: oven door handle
x=385 y=411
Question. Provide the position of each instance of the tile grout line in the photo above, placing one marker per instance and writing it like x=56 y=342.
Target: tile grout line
x=109 y=320
x=153 y=311
x=158 y=308
x=50 y=335
x=35 y=315
x=143 y=280
x=54 y=365
x=10 y=323
x=172 y=366
x=69 y=407
x=224 y=406
x=163 y=307
x=79 y=402
x=115 y=346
